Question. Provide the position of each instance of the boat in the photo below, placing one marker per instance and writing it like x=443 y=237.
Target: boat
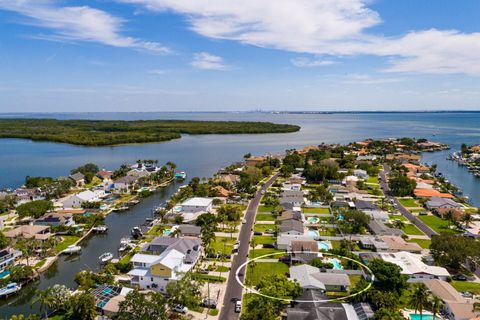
x=136 y=232
x=100 y=229
x=105 y=257
x=9 y=289
x=72 y=249
x=122 y=208
x=124 y=247
x=181 y=175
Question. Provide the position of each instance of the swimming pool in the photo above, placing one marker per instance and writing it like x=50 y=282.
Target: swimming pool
x=313 y=233
x=336 y=264
x=340 y=217
x=324 y=245
x=313 y=220
x=416 y=316
x=167 y=232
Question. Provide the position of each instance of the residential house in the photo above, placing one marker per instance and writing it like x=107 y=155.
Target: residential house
x=304 y=251
x=378 y=215
x=365 y=205
x=76 y=200
x=105 y=175
x=441 y=203
x=197 y=204
x=381 y=229
x=124 y=183
x=397 y=244
x=291 y=227
x=188 y=230
x=413 y=266
x=55 y=219
x=289 y=214
x=367 y=157
x=24 y=195
x=311 y=278
x=222 y=192
x=108 y=298
x=293 y=197
x=138 y=173
x=8 y=257
x=359 y=173
x=284 y=241
x=165 y=259
x=429 y=193
x=291 y=186
x=229 y=178
x=78 y=178
x=253 y=161
x=40 y=233
x=456 y=307
x=373 y=243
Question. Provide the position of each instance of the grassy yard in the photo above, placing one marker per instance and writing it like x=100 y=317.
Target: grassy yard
x=316 y=210
x=412 y=230
x=397 y=217
x=66 y=241
x=373 y=179
x=264 y=217
x=222 y=243
x=408 y=202
x=263 y=208
x=263 y=227
x=424 y=243
x=260 y=252
x=156 y=230
x=262 y=269
x=437 y=224
x=328 y=232
x=461 y=286
x=264 y=239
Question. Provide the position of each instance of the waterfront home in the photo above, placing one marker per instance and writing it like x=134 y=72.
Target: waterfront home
x=197 y=204
x=455 y=305
x=24 y=195
x=229 y=178
x=165 y=259
x=222 y=192
x=105 y=175
x=292 y=197
x=413 y=266
x=108 y=298
x=138 y=173
x=381 y=229
x=188 y=230
x=311 y=278
x=124 y=184
x=416 y=169
x=430 y=193
x=424 y=185
x=319 y=309
x=436 y=203
x=76 y=200
x=55 y=219
x=253 y=161
x=40 y=233
x=8 y=257
x=304 y=251
x=291 y=227
x=78 y=178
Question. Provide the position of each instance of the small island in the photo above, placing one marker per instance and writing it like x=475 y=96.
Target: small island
x=115 y=132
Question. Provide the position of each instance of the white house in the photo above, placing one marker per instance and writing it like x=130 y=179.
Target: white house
x=413 y=266
x=124 y=183
x=197 y=204
x=75 y=201
x=360 y=173
x=8 y=257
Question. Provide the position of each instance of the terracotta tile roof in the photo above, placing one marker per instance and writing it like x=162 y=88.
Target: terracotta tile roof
x=431 y=193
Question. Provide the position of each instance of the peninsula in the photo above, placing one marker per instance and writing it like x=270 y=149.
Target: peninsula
x=108 y=133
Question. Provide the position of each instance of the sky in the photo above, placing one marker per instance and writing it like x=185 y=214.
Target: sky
x=239 y=55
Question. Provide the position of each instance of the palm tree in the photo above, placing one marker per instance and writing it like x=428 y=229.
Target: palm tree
x=171 y=165
x=45 y=299
x=399 y=224
x=467 y=219
x=419 y=298
x=176 y=233
x=436 y=305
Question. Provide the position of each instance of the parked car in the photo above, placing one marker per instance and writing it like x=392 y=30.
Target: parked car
x=209 y=303
x=203 y=270
x=459 y=277
x=238 y=306
x=270 y=231
x=257 y=233
x=179 y=309
x=244 y=221
x=467 y=294
x=269 y=245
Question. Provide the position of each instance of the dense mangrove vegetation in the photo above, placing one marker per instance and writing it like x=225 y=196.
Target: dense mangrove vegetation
x=105 y=133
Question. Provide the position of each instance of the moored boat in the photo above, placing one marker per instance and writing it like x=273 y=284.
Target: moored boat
x=181 y=175
x=72 y=249
x=100 y=229
x=9 y=289
x=105 y=257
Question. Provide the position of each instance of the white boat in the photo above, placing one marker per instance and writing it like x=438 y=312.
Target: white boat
x=122 y=208
x=72 y=249
x=11 y=288
x=181 y=175
x=105 y=257
x=100 y=229
x=124 y=247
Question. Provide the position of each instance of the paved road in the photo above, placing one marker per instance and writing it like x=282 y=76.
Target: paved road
x=407 y=214
x=234 y=290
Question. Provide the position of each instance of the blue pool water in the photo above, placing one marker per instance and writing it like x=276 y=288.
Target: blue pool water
x=324 y=245
x=336 y=264
x=340 y=217
x=313 y=220
x=313 y=233
x=167 y=232
x=414 y=316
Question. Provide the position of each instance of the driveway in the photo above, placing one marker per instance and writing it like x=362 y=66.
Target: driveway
x=234 y=289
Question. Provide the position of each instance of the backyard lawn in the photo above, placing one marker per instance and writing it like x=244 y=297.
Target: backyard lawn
x=372 y=180
x=412 y=230
x=264 y=239
x=263 y=227
x=262 y=269
x=462 y=286
x=316 y=210
x=437 y=224
x=424 y=243
x=67 y=241
x=263 y=208
x=408 y=202
x=264 y=217
x=397 y=217
x=260 y=252
x=223 y=242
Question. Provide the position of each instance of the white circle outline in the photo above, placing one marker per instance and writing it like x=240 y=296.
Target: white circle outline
x=251 y=290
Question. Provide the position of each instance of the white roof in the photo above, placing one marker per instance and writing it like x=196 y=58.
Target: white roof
x=86 y=195
x=412 y=264
x=144 y=258
x=197 y=201
x=302 y=274
x=138 y=272
x=378 y=214
x=172 y=258
x=423 y=185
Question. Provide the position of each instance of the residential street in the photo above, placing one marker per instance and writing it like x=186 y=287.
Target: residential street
x=407 y=214
x=234 y=290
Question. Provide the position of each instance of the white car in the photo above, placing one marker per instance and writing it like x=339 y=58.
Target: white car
x=180 y=309
x=238 y=306
x=244 y=221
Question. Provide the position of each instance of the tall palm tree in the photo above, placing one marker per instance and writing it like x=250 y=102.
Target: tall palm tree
x=419 y=298
x=45 y=299
x=467 y=218
x=176 y=233
x=436 y=305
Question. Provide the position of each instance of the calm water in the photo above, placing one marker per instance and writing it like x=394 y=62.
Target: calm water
x=202 y=155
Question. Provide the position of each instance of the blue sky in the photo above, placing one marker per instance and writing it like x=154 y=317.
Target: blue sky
x=192 y=55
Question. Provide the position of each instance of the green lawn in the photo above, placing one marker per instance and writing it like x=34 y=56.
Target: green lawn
x=264 y=217
x=412 y=230
x=260 y=252
x=397 y=217
x=263 y=208
x=156 y=230
x=437 y=224
x=328 y=232
x=408 y=202
x=222 y=243
x=263 y=227
x=373 y=179
x=424 y=243
x=316 y=210
x=262 y=269
x=264 y=239
x=66 y=241
x=461 y=286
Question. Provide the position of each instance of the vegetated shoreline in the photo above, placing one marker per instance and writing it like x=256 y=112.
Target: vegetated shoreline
x=117 y=132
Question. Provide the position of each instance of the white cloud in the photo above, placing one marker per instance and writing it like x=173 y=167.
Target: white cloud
x=158 y=71
x=326 y=27
x=78 y=23
x=356 y=78
x=303 y=62
x=207 y=61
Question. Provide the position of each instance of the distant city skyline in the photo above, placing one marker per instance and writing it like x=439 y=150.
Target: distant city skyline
x=239 y=55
